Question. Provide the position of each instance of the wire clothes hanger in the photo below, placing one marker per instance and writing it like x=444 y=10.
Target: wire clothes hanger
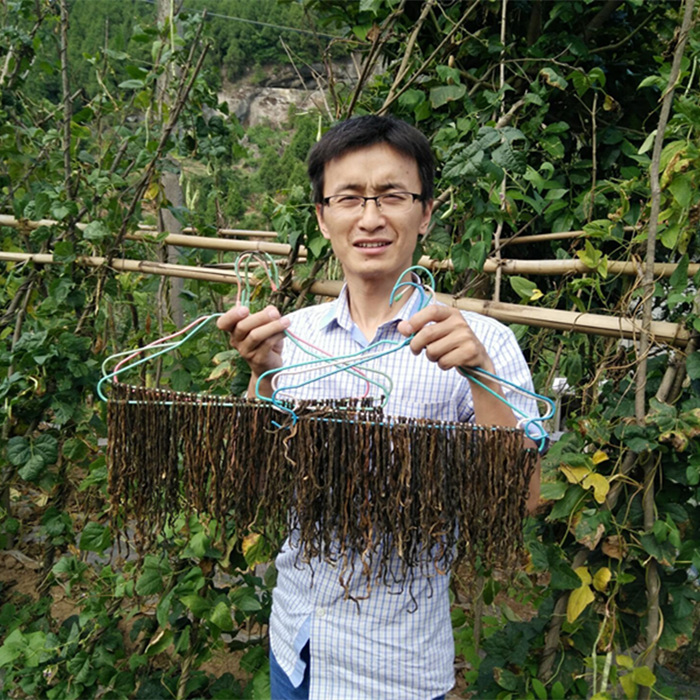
x=531 y=425
x=321 y=361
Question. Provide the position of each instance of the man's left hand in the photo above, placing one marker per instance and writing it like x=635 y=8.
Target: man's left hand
x=446 y=338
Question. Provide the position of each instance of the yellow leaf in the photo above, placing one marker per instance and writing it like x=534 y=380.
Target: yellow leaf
x=610 y=104
x=578 y=601
x=629 y=686
x=575 y=475
x=256 y=549
x=152 y=192
x=221 y=370
x=249 y=541
x=625 y=661
x=602 y=578
x=600 y=485
x=583 y=574
x=599 y=457
x=536 y=294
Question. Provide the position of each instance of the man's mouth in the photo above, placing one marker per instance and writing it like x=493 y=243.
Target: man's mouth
x=377 y=244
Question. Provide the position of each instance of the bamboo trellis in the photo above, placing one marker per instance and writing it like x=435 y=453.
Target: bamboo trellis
x=510 y=267
x=592 y=324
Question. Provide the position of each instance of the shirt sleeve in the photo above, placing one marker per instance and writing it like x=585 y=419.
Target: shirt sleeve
x=509 y=364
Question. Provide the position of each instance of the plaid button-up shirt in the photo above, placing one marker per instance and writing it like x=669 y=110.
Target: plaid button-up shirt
x=398 y=642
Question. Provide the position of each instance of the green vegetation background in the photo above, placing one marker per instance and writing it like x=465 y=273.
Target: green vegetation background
x=544 y=119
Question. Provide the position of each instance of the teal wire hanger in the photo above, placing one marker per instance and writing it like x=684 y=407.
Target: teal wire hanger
x=351 y=363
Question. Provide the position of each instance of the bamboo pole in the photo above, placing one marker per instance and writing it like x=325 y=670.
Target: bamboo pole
x=187 y=241
x=562 y=267
x=508 y=266
x=591 y=324
x=125 y=265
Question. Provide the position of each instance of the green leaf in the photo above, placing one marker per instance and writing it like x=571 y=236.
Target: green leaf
x=636 y=438
x=182 y=644
x=150 y=582
x=199 y=606
x=558 y=692
x=132 y=84
x=95 y=538
x=411 y=98
x=679 y=279
x=160 y=642
x=554 y=79
x=18 y=451
x=443 y=94
x=64 y=252
x=581 y=82
x=244 y=599
x=682 y=190
x=55 y=522
x=563 y=577
x=33 y=469
x=47 y=446
x=261 y=684
x=539 y=688
x=524 y=288
x=553 y=490
x=95 y=231
x=563 y=508
x=510 y=159
x=12 y=648
x=362 y=30
x=370 y=6
x=648 y=143
x=221 y=616
x=477 y=255
x=629 y=686
x=664 y=552
x=199 y=544
x=74 y=449
x=596 y=75
x=692 y=365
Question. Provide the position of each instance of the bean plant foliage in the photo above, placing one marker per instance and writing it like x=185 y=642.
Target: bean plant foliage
x=545 y=117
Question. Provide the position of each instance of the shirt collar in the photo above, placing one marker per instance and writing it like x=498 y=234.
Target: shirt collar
x=339 y=310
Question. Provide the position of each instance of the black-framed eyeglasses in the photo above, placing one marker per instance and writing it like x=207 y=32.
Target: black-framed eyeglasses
x=387 y=202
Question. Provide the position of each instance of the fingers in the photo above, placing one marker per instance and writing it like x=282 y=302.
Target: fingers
x=257 y=337
x=445 y=337
x=228 y=321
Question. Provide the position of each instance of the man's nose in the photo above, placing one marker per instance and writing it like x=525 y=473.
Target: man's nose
x=372 y=214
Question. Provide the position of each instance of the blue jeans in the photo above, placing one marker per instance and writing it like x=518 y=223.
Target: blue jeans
x=281 y=687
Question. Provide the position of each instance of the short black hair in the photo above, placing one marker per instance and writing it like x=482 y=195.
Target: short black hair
x=368 y=130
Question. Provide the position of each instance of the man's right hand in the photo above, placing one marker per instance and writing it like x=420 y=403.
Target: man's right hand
x=258 y=338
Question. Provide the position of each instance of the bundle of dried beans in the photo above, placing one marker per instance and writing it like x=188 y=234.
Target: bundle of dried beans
x=383 y=498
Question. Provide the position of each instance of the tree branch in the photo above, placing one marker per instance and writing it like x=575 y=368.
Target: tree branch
x=379 y=40
x=419 y=71
x=653 y=629
x=410 y=44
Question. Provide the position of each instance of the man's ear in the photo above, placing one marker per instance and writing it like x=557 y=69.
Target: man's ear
x=321 y=223
x=425 y=220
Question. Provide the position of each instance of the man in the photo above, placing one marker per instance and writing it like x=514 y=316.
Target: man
x=372 y=182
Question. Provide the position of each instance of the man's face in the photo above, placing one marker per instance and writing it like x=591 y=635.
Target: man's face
x=373 y=243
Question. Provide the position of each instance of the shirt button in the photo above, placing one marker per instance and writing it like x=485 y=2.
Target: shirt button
x=320 y=612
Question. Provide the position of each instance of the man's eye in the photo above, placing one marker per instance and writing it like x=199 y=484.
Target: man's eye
x=347 y=200
x=393 y=198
